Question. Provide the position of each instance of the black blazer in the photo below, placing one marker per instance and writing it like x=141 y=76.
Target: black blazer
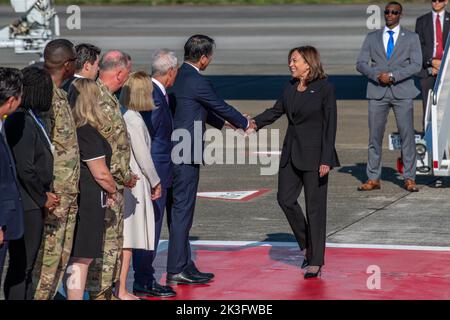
x=425 y=30
x=196 y=100
x=11 y=211
x=311 y=133
x=33 y=158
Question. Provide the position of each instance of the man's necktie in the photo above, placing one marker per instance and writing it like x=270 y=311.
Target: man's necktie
x=390 y=45
x=439 y=42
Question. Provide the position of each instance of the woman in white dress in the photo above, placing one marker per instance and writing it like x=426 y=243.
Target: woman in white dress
x=139 y=222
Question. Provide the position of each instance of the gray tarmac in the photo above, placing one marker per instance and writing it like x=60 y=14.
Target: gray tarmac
x=255 y=41
x=250 y=39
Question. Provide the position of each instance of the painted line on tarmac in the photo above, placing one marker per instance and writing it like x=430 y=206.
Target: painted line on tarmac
x=164 y=244
x=237 y=196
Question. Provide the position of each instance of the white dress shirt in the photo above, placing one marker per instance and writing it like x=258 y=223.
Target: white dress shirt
x=441 y=18
x=2 y=135
x=160 y=86
x=198 y=70
x=386 y=36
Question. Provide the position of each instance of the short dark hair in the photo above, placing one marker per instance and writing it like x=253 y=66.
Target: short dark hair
x=57 y=52
x=11 y=82
x=395 y=3
x=197 y=46
x=86 y=53
x=37 y=89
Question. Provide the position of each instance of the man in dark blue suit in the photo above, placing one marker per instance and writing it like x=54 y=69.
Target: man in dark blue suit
x=11 y=211
x=196 y=103
x=160 y=126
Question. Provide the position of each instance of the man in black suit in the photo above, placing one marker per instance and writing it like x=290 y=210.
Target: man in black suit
x=11 y=212
x=432 y=29
x=159 y=122
x=86 y=65
x=196 y=103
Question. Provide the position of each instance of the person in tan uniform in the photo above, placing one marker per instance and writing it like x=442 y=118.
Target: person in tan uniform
x=115 y=67
x=59 y=224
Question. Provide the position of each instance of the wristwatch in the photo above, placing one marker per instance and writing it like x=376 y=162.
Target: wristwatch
x=391 y=77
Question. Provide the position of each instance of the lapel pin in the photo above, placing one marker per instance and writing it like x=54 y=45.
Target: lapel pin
x=403 y=34
x=312 y=91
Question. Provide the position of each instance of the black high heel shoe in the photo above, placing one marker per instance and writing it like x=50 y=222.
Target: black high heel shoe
x=305 y=263
x=309 y=275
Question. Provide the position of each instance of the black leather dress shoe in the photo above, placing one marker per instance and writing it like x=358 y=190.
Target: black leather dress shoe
x=192 y=269
x=155 y=290
x=185 y=278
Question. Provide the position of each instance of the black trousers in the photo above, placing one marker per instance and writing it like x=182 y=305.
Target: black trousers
x=144 y=272
x=22 y=256
x=426 y=84
x=181 y=217
x=310 y=232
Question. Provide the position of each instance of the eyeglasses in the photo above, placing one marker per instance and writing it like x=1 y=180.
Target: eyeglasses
x=394 y=12
x=438 y=1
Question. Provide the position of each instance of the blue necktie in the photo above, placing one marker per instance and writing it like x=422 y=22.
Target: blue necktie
x=390 y=46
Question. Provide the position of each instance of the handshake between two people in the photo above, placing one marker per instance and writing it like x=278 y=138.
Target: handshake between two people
x=252 y=127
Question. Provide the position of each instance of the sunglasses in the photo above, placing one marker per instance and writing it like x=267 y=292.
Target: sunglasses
x=438 y=1
x=394 y=12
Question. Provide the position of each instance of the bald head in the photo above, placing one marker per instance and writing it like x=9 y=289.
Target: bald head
x=114 y=66
x=114 y=59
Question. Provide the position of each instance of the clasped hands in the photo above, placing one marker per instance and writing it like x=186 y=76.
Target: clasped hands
x=252 y=127
x=52 y=202
x=131 y=183
x=384 y=78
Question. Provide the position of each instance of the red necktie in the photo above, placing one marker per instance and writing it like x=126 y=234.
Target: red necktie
x=439 y=44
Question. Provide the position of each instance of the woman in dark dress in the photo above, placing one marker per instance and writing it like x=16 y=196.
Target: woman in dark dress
x=32 y=151
x=97 y=186
x=308 y=153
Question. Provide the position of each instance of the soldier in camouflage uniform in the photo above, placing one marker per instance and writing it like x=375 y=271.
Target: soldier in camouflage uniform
x=59 y=225
x=114 y=69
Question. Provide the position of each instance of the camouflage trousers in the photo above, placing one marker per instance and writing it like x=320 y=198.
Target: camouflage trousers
x=105 y=271
x=56 y=247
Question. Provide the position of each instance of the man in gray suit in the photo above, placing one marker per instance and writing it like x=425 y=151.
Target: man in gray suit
x=389 y=58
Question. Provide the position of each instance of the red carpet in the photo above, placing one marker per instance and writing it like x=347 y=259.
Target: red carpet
x=265 y=272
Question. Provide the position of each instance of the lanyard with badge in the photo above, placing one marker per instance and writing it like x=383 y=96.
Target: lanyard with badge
x=41 y=125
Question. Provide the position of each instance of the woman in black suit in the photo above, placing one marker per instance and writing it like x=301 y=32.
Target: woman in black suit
x=32 y=152
x=308 y=153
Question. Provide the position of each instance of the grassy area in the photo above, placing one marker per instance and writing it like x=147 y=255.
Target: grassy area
x=222 y=2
